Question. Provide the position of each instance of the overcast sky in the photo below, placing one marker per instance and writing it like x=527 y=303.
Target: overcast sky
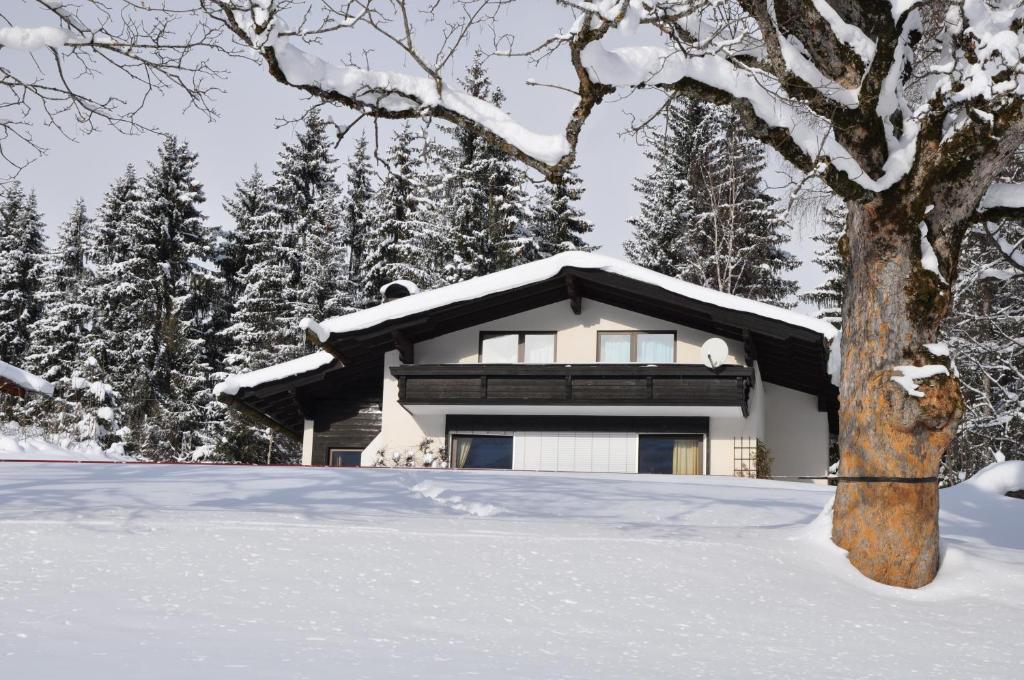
x=247 y=133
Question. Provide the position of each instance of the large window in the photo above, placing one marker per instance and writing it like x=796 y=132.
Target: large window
x=482 y=451
x=528 y=347
x=622 y=347
x=669 y=454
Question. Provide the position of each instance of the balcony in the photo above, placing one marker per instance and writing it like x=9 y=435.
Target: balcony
x=574 y=384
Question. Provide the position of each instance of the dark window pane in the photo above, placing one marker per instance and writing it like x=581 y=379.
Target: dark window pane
x=655 y=455
x=488 y=452
x=346 y=458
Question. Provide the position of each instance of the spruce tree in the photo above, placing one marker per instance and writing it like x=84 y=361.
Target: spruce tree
x=21 y=270
x=55 y=338
x=262 y=331
x=660 y=232
x=828 y=297
x=122 y=341
x=306 y=169
x=393 y=251
x=738 y=235
x=180 y=405
x=358 y=220
x=484 y=194
x=558 y=224
x=707 y=218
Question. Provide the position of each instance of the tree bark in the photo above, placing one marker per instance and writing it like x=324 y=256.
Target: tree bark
x=892 y=307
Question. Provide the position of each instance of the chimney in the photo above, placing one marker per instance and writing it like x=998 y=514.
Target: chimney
x=398 y=289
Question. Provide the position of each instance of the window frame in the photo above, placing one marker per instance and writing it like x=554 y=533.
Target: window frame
x=520 y=344
x=633 y=344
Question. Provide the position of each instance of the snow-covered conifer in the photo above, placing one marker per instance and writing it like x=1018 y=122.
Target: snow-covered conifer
x=55 y=338
x=392 y=251
x=485 y=196
x=557 y=223
x=708 y=219
x=828 y=296
x=358 y=219
x=21 y=269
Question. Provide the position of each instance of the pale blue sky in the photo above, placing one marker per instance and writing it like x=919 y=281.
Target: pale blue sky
x=245 y=134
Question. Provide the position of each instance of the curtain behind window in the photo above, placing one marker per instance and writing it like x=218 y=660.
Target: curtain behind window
x=500 y=349
x=686 y=457
x=539 y=348
x=614 y=348
x=461 y=450
x=655 y=348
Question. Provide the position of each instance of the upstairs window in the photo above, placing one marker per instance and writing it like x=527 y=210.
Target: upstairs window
x=527 y=347
x=644 y=347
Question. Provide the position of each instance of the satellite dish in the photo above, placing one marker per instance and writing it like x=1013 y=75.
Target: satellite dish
x=714 y=352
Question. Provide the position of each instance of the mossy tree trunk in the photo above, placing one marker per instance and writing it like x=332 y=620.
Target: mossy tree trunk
x=893 y=307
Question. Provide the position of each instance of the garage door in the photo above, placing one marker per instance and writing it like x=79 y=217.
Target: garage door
x=576 y=451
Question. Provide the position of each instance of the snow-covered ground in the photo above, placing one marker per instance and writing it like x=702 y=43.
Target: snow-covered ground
x=17 y=443
x=220 y=572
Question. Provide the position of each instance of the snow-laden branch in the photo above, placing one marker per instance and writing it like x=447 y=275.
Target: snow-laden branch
x=661 y=65
x=32 y=38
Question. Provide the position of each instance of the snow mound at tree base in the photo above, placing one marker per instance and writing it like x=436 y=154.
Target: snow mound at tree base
x=243 y=573
x=978 y=524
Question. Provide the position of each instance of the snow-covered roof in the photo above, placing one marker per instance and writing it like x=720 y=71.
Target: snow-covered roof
x=25 y=380
x=311 y=362
x=542 y=270
x=507 y=280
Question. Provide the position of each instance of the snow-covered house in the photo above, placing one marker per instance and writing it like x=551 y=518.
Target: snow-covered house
x=20 y=383
x=579 y=362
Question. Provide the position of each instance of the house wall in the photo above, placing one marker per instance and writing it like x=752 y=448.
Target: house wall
x=576 y=335
x=795 y=432
x=786 y=420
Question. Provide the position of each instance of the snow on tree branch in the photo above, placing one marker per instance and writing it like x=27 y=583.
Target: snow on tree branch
x=99 y=66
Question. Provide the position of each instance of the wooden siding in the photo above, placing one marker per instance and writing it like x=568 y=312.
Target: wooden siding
x=347 y=418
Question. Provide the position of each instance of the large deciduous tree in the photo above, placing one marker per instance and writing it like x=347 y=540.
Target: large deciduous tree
x=907 y=111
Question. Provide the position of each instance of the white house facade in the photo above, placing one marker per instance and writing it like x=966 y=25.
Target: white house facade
x=578 y=363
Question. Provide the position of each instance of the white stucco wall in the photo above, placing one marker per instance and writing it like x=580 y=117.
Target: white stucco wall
x=307 y=442
x=795 y=432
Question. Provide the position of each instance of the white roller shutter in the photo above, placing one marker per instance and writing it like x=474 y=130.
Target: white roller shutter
x=576 y=451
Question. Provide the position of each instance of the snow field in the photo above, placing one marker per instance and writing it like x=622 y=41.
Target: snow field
x=238 y=572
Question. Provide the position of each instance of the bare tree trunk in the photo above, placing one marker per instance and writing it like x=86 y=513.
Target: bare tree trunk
x=892 y=307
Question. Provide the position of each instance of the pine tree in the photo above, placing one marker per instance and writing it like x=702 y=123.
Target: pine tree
x=828 y=296
x=485 y=196
x=558 y=224
x=55 y=338
x=21 y=269
x=358 y=221
x=392 y=252
x=261 y=332
x=305 y=169
x=739 y=233
x=708 y=219
x=180 y=402
x=660 y=232
x=122 y=341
